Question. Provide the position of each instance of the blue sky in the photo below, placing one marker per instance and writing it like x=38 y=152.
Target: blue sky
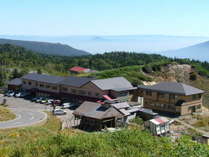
x=104 y=17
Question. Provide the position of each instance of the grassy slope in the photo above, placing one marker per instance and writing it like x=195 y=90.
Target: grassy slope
x=126 y=143
x=10 y=138
x=132 y=73
x=6 y=114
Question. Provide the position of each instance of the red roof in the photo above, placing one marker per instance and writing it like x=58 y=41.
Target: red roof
x=159 y=120
x=107 y=97
x=78 y=69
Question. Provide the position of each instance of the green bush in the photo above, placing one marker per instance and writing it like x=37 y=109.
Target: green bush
x=192 y=76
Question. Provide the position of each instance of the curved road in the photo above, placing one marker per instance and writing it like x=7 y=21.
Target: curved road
x=24 y=118
x=27 y=113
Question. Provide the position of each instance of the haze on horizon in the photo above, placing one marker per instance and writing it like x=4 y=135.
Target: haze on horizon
x=96 y=17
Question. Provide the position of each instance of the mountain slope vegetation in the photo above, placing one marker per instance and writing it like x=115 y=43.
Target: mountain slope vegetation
x=125 y=143
x=129 y=65
x=46 y=48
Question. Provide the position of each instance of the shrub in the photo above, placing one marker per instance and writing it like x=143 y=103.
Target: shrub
x=193 y=76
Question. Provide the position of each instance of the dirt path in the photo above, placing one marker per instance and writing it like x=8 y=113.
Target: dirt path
x=191 y=127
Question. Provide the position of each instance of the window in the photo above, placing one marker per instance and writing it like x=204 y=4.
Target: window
x=29 y=83
x=161 y=95
x=54 y=88
x=24 y=82
x=172 y=96
x=73 y=91
x=196 y=97
x=97 y=94
x=149 y=93
x=89 y=93
x=65 y=89
x=41 y=85
x=82 y=92
x=47 y=86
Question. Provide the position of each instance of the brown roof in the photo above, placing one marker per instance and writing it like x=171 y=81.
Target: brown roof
x=96 y=110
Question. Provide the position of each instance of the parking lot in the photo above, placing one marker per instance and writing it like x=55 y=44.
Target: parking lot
x=30 y=113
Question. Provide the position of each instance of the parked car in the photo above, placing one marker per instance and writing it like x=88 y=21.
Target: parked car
x=39 y=99
x=34 y=99
x=18 y=94
x=66 y=105
x=44 y=100
x=21 y=94
x=10 y=93
x=59 y=112
x=49 y=101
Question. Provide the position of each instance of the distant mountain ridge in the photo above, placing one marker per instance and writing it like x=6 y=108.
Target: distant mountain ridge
x=107 y=43
x=198 y=52
x=46 y=47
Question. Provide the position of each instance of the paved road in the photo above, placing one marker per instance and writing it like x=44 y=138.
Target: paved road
x=27 y=113
x=23 y=118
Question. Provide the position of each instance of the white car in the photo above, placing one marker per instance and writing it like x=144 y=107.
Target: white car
x=10 y=94
x=18 y=94
x=50 y=101
x=44 y=101
x=66 y=105
x=38 y=100
x=59 y=112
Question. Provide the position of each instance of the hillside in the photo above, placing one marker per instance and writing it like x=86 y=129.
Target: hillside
x=108 y=43
x=46 y=48
x=198 y=51
x=132 y=66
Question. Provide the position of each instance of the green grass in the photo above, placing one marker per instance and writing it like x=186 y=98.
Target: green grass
x=131 y=73
x=49 y=141
x=125 y=143
x=6 y=114
x=21 y=136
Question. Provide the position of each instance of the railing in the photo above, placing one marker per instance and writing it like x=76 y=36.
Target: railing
x=195 y=102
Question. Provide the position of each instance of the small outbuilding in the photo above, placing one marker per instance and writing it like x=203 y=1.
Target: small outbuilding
x=158 y=125
x=96 y=116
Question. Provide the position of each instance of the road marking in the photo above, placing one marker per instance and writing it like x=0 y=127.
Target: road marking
x=17 y=122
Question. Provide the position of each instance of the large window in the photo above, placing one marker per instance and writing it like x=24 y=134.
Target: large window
x=47 y=86
x=196 y=97
x=97 y=94
x=149 y=93
x=54 y=88
x=64 y=89
x=82 y=92
x=161 y=95
x=73 y=91
x=172 y=96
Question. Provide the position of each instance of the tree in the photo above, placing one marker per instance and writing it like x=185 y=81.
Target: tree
x=15 y=74
x=2 y=76
x=39 y=71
